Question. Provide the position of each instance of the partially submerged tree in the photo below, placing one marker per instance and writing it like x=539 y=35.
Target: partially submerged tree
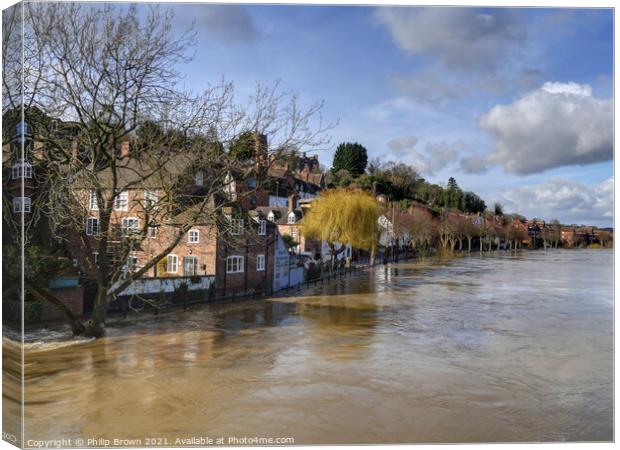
x=340 y=217
x=421 y=229
x=108 y=79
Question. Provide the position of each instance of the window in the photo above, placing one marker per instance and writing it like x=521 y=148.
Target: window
x=199 y=178
x=92 y=226
x=22 y=128
x=172 y=264
x=22 y=131
x=271 y=217
x=21 y=204
x=21 y=170
x=95 y=258
x=131 y=265
x=130 y=225
x=236 y=226
x=260 y=263
x=92 y=201
x=150 y=199
x=291 y=217
x=190 y=266
x=193 y=237
x=121 y=202
x=262 y=227
x=230 y=188
x=295 y=234
x=252 y=182
x=151 y=232
x=234 y=264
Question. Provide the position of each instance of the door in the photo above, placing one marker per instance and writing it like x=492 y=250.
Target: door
x=190 y=266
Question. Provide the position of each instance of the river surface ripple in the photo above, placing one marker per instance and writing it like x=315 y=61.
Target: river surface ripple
x=475 y=349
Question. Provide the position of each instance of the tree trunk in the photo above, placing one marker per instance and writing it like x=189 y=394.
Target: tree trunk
x=94 y=326
x=468 y=245
x=41 y=294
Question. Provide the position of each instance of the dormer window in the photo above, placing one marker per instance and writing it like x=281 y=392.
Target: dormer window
x=199 y=178
x=292 y=218
x=21 y=170
x=271 y=217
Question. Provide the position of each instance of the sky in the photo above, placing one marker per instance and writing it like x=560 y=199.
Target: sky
x=515 y=103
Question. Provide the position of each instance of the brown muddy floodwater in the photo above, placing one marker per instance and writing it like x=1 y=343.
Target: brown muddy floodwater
x=498 y=348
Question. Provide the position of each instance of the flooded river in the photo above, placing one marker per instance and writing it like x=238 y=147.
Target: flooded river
x=498 y=348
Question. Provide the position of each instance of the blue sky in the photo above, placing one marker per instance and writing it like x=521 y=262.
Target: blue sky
x=516 y=104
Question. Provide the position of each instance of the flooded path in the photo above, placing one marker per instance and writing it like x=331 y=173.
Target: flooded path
x=498 y=348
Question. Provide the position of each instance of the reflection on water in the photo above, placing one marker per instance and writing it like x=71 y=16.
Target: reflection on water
x=503 y=348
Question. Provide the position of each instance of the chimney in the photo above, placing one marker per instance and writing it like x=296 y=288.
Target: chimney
x=125 y=149
x=292 y=199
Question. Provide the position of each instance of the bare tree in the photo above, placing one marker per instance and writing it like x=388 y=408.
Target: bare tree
x=109 y=81
x=470 y=231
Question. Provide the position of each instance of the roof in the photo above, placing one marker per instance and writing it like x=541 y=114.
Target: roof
x=194 y=214
x=131 y=171
x=280 y=214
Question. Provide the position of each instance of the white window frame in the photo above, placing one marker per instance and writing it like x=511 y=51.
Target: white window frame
x=291 y=219
x=236 y=226
x=193 y=236
x=133 y=229
x=127 y=267
x=262 y=227
x=21 y=170
x=151 y=232
x=194 y=268
x=22 y=204
x=121 y=202
x=230 y=187
x=199 y=178
x=260 y=263
x=170 y=265
x=234 y=264
x=271 y=217
x=150 y=199
x=93 y=205
x=92 y=226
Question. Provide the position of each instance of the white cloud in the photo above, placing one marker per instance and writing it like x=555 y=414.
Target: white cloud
x=400 y=146
x=474 y=165
x=569 y=201
x=559 y=124
x=460 y=37
x=226 y=22
x=435 y=156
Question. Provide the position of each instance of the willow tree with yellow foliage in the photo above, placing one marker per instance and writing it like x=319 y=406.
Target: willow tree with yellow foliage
x=341 y=217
